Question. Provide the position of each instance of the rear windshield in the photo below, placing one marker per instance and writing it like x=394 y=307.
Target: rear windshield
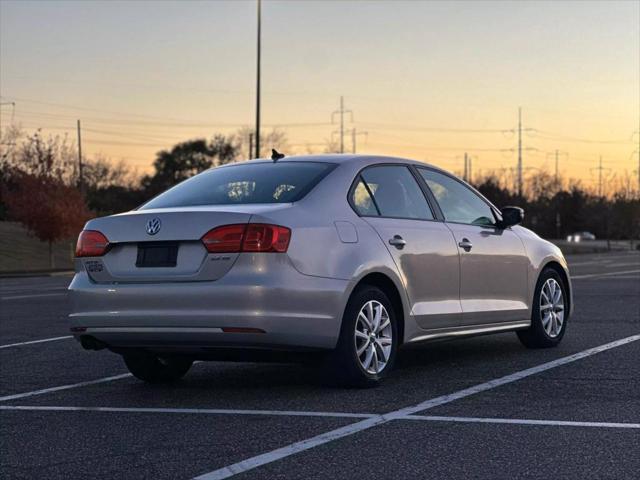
x=281 y=182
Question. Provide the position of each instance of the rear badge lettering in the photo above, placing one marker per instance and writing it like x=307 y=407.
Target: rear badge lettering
x=217 y=258
x=94 y=266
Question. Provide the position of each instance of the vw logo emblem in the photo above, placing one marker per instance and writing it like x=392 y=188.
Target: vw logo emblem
x=153 y=226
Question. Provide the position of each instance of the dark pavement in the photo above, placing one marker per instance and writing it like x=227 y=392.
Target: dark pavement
x=171 y=442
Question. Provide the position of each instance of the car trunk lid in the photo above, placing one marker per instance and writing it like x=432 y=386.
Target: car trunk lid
x=164 y=245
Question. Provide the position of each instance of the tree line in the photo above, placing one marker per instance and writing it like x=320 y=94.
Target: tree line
x=40 y=186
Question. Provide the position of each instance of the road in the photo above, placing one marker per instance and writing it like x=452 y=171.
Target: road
x=475 y=408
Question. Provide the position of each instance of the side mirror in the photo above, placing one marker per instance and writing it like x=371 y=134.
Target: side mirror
x=511 y=216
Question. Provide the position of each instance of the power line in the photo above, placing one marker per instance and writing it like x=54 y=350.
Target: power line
x=163 y=121
x=417 y=128
x=429 y=147
x=552 y=136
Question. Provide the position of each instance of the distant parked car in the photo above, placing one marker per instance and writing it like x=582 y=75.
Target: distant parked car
x=581 y=237
x=346 y=256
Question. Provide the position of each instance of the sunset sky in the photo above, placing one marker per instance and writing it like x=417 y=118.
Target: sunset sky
x=426 y=80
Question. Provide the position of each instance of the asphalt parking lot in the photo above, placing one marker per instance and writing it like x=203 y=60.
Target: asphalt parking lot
x=476 y=408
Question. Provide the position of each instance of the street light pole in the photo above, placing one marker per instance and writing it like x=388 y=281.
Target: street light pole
x=258 y=86
x=80 y=173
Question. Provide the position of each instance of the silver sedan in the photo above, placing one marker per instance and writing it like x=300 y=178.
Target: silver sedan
x=344 y=257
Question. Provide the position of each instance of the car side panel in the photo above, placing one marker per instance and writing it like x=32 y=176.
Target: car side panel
x=540 y=253
x=493 y=275
x=317 y=248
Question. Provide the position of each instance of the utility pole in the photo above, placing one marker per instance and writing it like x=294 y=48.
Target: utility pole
x=638 y=132
x=520 y=152
x=80 y=176
x=258 y=86
x=600 y=168
x=341 y=112
x=556 y=155
x=465 y=175
x=600 y=178
x=250 y=145
x=469 y=174
x=353 y=138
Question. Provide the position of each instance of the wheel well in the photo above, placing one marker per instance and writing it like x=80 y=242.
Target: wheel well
x=385 y=284
x=563 y=275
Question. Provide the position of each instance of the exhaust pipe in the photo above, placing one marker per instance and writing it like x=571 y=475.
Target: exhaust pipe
x=90 y=343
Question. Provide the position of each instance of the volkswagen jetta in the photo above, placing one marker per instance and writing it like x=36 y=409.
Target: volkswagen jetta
x=347 y=256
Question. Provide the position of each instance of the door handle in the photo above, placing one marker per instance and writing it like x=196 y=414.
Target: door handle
x=465 y=244
x=398 y=242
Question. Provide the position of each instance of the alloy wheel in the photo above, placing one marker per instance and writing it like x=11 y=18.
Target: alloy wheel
x=552 y=307
x=373 y=337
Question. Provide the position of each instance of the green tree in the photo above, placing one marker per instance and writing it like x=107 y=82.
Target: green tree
x=186 y=159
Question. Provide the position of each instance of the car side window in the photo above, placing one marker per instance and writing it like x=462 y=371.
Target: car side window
x=362 y=201
x=396 y=192
x=458 y=202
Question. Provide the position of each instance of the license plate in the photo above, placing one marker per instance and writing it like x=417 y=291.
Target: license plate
x=153 y=255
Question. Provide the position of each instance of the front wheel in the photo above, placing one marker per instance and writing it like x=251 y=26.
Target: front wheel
x=368 y=340
x=549 y=312
x=154 y=369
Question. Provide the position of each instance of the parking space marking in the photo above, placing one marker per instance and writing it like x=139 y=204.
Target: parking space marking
x=31 y=342
x=205 y=411
x=299 y=413
x=323 y=438
x=606 y=274
x=35 y=295
x=64 y=387
x=520 y=421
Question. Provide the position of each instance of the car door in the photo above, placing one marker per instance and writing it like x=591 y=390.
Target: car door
x=493 y=261
x=390 y=199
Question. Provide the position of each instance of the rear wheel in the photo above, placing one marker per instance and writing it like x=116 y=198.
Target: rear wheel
x=368 y=340
x=155 y=369
x=549 y=312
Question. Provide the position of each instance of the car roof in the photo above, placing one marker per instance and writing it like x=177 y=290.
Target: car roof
x=341 y=158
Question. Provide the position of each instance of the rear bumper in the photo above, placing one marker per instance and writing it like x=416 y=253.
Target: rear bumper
x=262 y=292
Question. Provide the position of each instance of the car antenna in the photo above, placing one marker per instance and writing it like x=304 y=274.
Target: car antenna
x=275 y=155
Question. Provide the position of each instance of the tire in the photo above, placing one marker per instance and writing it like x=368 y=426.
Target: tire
x=549 y=317
x=153 y=369
x=345 y=367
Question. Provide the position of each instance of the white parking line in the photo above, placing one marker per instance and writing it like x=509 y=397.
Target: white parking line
x=519 y=421
x=297 y=447
x=298 y=413
x=63 y=387
x=31 y=342
x=607 y=274
x=35 y=295
x=206 y=411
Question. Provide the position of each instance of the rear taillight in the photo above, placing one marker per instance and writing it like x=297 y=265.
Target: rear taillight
x=91 y=243
x=252 y=237
x=225 y=239
x=266 y=238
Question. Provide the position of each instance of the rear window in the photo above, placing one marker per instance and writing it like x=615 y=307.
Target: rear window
x=281 y=182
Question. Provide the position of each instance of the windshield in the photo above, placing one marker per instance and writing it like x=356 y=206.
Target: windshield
x=240 y=184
